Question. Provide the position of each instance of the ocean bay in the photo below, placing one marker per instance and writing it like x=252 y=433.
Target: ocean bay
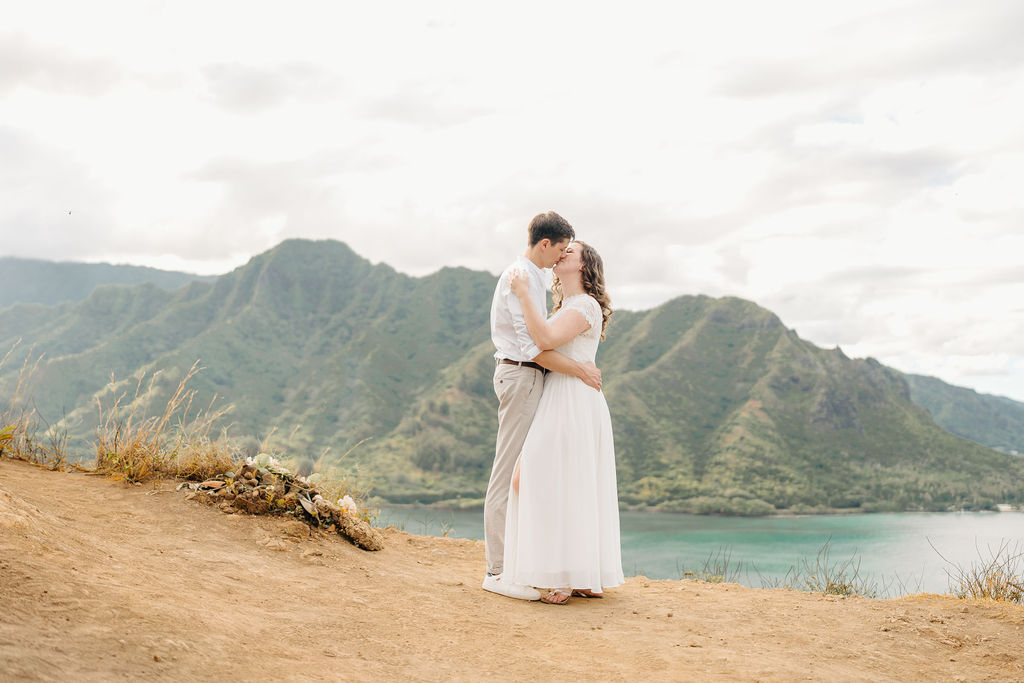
x=894 y=550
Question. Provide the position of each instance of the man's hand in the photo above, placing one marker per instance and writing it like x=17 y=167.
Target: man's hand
x=590 y=375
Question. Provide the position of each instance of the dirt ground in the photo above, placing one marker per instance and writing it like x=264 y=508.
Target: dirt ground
x=102 y=581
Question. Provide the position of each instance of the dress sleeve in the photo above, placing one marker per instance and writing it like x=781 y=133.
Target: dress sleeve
x=589 y=308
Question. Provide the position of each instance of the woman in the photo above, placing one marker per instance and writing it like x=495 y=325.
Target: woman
x=562 y=524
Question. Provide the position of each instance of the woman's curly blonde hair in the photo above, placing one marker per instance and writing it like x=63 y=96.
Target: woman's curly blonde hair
x=592 y=277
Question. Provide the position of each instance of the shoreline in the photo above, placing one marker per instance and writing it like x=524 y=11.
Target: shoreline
x=761 y=552
x=787 y=512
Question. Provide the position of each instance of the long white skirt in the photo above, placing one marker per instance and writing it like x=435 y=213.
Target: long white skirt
x=562 y=528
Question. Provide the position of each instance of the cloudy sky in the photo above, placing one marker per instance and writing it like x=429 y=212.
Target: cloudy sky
x=855 y=167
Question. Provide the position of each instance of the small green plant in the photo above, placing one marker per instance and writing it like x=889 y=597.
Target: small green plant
x=6 y=437
x=828 y=577
x=836 y=578
x=717 y=567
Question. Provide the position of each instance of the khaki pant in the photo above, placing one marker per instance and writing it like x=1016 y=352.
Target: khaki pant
x=518 y=390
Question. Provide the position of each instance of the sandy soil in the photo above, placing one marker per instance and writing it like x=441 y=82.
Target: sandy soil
x=102 y=581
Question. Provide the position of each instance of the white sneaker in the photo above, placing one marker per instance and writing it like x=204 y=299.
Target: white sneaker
x=493 y=583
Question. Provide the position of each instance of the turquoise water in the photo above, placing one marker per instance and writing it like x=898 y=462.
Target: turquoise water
x=893 y=550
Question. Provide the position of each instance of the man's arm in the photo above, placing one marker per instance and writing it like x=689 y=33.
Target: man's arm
x=526 y=344
x=557 y=362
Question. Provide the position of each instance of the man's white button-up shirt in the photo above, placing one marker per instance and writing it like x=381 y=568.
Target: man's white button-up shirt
x=508 y=326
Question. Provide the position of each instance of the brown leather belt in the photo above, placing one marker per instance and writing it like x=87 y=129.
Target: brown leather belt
x=522 y=363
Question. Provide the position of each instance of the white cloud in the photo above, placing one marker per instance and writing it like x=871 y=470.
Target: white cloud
x=246 y=89
x=26 y=64
x=852 y=166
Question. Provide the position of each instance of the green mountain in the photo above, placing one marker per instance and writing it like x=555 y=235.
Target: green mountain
x=33 y=281
x=306 y=334
x=993 y=421
x=717 y=407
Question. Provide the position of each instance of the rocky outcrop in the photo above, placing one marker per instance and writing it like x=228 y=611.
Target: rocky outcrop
x=258 y=490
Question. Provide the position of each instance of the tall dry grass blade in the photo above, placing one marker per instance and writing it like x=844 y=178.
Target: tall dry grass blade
x=998 y=577
x=265 y=444
x=135 y=448
x=18 y=421
x=7 y=355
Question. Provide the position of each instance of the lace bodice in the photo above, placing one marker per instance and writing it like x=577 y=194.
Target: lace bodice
x=582 y=347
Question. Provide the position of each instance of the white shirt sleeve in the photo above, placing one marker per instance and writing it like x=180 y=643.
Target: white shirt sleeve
x=509 y=332
x=523 y=338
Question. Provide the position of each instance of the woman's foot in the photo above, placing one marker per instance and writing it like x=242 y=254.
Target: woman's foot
x=556 y=596
x=586 y=593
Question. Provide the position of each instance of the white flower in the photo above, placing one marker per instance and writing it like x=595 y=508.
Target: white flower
x=348 y=505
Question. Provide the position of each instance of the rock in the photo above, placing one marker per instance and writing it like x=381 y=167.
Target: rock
x=295 y=530
x=280 y=495
x=271 y=543
x=254 y=506
x=359 y=532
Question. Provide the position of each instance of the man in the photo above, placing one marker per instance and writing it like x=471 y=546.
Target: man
x=519 y=380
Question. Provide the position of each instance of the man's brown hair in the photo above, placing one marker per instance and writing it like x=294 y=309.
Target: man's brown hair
x=549 y=225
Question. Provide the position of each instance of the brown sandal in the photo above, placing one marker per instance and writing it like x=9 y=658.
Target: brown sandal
x=553 y=595
x=586 y=593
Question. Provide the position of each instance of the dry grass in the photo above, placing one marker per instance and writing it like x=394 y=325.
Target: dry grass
x=999 y=576
x=335 y=485
x=19 y=424
x=134 y=446
x=205 y=459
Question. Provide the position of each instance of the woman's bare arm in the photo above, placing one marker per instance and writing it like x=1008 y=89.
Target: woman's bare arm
x=557 y=362
x=545 y=335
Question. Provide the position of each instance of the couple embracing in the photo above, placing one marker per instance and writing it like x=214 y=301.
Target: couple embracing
x=551 y=517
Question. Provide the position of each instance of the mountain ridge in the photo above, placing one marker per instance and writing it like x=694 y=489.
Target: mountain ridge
x=717 y=406
x=39 y=281
x=993 y=421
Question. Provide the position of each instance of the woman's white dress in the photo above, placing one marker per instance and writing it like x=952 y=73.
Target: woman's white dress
x=562 y=528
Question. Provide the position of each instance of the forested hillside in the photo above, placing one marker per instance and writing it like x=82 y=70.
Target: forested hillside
x=717 y=406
